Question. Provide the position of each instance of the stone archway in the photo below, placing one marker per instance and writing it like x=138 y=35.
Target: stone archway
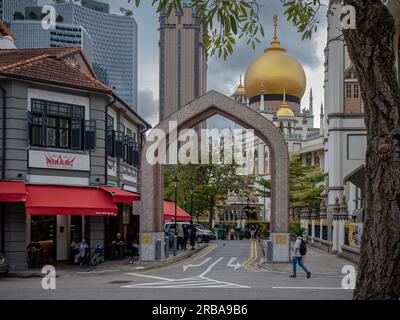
x=204 y=107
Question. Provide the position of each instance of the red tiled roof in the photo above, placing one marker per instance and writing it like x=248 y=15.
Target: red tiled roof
x=47 y=65
x=5 y=31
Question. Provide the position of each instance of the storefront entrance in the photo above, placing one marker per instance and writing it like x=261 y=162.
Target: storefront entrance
x=43 y=231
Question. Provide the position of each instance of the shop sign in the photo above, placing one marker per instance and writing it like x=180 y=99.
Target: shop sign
x=59 y=160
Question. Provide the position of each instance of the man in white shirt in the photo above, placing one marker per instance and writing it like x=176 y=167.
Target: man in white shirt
x=298 y=257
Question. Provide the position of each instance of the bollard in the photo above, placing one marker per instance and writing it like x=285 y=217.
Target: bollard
x=158 y=249
x=166 y=247
x=268 y=251
x=175 y=247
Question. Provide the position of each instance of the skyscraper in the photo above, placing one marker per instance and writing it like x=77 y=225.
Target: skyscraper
x=183 y=59
x=113 y=39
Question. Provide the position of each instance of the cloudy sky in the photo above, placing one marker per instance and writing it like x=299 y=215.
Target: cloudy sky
x=223 y=76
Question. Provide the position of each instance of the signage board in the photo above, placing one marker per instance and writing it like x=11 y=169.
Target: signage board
x=59 y=160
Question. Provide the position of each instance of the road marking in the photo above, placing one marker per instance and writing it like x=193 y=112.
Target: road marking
x=234 y=266
x=190 y=260
x=311 y=288
x=97 y=271
x=193 y=282
x=253 y=257
x=146 y=276
x=196 y=265
x=210 y=267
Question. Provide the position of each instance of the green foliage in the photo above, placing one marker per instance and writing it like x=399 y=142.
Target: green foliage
x=18 y=16
x=60 y=19
x=303 y=15
x=264 y=228
x=212 y=183
x=305 y=184
x=226 y=21
x=32 y=15
x=265 y=190
x=294 y=228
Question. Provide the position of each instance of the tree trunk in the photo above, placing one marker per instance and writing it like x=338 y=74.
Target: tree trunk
x=371 y=50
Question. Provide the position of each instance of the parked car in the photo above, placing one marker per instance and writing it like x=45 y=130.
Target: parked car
x=202 y=234
x=4 y=266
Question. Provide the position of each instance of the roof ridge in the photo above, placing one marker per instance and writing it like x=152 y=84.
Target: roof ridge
x=22 y=62
x=66 y=51
x=69 y=64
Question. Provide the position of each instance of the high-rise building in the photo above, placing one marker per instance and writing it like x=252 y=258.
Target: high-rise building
x=9 y=7
x=30 y=34
x=110 y=40
x=183 y=59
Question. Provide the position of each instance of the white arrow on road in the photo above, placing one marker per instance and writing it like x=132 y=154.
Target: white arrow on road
x=234 y=266
x=196 y=265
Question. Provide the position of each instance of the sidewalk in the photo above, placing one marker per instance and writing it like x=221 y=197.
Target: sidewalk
x=107 y=266
x=318 y=261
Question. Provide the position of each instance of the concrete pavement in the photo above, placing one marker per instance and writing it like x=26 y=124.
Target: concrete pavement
x=226 y=270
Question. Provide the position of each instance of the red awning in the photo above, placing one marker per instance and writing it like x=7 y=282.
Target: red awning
x=169 y=212
x=122 y=196
x=63 y=200
x=12 y=191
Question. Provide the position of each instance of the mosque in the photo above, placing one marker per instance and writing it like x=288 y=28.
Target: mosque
x=274 y=85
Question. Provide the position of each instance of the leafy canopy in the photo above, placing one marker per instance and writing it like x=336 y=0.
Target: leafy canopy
x=226 y=21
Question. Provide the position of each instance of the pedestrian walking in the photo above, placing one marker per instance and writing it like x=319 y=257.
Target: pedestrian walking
x=253 y=233
x=300 y=250
x=192 y=234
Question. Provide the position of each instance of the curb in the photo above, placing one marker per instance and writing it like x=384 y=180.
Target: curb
x=173 y=259
x=162 y=263
x=166 y=262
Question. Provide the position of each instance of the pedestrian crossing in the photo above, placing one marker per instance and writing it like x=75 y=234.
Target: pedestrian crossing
x=193 y=282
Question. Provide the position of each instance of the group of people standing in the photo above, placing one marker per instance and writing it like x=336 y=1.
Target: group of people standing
x=184 y=233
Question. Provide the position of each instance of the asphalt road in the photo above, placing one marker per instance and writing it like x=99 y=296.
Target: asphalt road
x=225 y=270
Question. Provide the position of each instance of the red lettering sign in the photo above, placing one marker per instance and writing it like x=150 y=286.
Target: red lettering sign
x=60 y=161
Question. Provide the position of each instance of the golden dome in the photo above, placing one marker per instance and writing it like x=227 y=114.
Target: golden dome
x=284 y=109
x=277 y=70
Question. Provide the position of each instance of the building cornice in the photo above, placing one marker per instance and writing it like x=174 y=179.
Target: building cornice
x=346 y=116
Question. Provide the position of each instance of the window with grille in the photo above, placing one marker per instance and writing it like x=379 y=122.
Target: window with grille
x=60 y=125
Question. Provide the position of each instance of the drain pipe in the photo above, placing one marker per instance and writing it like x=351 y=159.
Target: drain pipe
x=105 y=131
x=3 y=168
x=106 y=220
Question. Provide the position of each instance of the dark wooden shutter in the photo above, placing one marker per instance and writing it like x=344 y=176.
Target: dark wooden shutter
x=110 y=138
x=125 y=156
x=76 y=133
x=119 y=144
x=90 y=134
x=136 y=155
x=130 y=151
x=43 y=139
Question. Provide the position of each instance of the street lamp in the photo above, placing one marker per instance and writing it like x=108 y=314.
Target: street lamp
x=191 y=190
x=175 y=183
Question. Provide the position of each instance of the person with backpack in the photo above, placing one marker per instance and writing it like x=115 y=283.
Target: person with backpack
x=300 y=250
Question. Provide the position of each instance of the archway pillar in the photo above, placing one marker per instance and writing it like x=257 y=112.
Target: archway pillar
x=212 y=103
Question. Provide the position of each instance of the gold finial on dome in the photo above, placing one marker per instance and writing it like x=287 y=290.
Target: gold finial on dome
x=277 y=70
x=284 y=109
x=240 y=87
x=275 y=44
